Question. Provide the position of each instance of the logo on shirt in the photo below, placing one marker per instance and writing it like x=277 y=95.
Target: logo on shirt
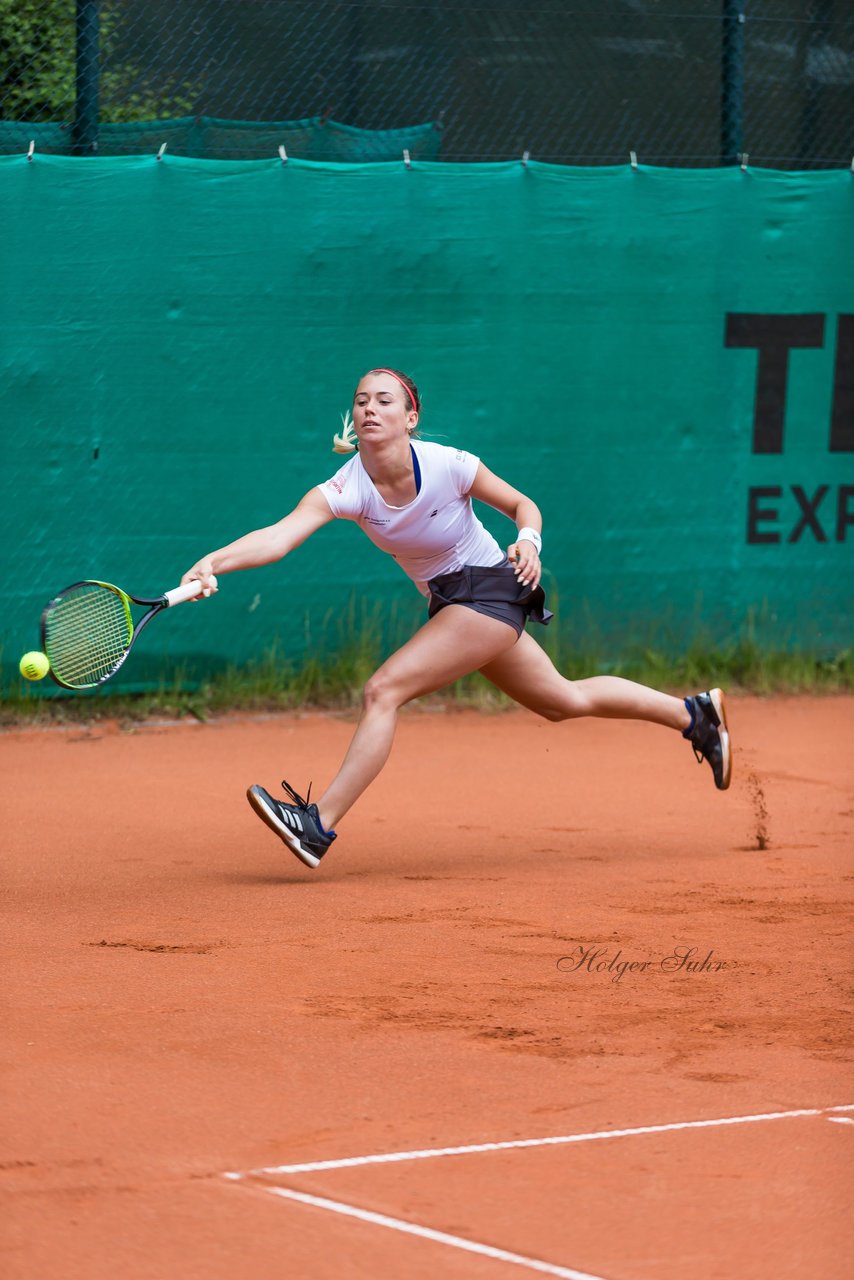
x=434 y=512
x=373 y=520
x=336 y=485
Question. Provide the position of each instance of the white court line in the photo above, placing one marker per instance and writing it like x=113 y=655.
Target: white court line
x=316 y=1166
x=840 y=1120
x=426 y=1233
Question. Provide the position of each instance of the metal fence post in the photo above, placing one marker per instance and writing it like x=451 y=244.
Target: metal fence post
x=732 y=81
x=85 y=127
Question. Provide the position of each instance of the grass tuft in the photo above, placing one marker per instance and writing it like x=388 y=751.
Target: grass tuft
x=332 y=677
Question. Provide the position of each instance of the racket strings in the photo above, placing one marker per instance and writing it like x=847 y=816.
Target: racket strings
x=88 y=633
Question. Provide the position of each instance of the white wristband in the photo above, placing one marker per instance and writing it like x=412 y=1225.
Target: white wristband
x=530 y=535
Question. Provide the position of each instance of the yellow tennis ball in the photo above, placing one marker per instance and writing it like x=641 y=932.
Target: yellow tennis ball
x=34 y=666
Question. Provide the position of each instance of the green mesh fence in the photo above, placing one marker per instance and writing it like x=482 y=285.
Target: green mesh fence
x=697 y=83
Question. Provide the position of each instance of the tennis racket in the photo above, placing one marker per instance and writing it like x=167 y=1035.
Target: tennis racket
x=88 y=629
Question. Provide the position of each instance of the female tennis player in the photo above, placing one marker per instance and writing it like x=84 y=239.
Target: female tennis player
x=413 y=499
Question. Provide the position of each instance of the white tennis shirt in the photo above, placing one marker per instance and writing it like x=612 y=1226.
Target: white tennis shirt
x=436 y=533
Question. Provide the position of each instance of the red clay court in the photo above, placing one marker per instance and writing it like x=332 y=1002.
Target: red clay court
x=471 y=1044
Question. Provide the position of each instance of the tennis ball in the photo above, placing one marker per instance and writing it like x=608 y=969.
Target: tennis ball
x=34 y=666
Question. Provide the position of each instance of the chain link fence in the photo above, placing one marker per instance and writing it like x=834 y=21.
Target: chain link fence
x=582 y=82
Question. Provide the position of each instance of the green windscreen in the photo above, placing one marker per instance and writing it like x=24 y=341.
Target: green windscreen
x=210 y=138
x=661 y=358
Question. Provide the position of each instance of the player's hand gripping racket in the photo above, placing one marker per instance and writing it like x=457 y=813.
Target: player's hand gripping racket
x=88 y=629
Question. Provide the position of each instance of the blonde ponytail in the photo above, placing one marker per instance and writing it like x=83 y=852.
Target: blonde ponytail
x=346 y=441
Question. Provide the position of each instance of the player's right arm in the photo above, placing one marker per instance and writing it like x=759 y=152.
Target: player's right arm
x=263 y=546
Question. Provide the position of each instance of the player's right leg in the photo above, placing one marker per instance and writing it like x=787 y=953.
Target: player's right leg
x=296 y=821
x=455 y=642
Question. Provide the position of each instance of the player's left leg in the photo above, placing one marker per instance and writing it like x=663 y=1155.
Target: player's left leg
x=527 y=675
x=530 y=677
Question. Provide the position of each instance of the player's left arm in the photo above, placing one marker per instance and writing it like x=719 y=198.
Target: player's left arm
x=495 y=492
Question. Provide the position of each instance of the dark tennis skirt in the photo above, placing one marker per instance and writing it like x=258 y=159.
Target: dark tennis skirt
x=495 y=592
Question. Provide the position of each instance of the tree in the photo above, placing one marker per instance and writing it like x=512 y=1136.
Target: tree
x=37 y=68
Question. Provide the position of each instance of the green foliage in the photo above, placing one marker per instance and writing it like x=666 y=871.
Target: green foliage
x=36 y=59
x=37 y=68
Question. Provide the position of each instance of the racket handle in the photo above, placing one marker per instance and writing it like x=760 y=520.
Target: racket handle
x=188 y=591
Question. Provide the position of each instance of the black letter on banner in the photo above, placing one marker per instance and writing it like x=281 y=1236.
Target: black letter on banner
x=842 y=417
x=774 y=336
x=755 y=513
x=808 y=507
x=844 y=517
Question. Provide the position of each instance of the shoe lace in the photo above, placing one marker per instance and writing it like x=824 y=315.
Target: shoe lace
x=295 y=795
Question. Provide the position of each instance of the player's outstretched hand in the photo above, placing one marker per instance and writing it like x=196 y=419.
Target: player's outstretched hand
x=525 y=561
x=202 y=572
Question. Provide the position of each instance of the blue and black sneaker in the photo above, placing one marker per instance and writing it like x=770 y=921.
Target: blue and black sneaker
x=298 y=824
x=708 y=734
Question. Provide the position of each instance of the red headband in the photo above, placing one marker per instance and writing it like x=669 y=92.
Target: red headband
x=409 y=390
